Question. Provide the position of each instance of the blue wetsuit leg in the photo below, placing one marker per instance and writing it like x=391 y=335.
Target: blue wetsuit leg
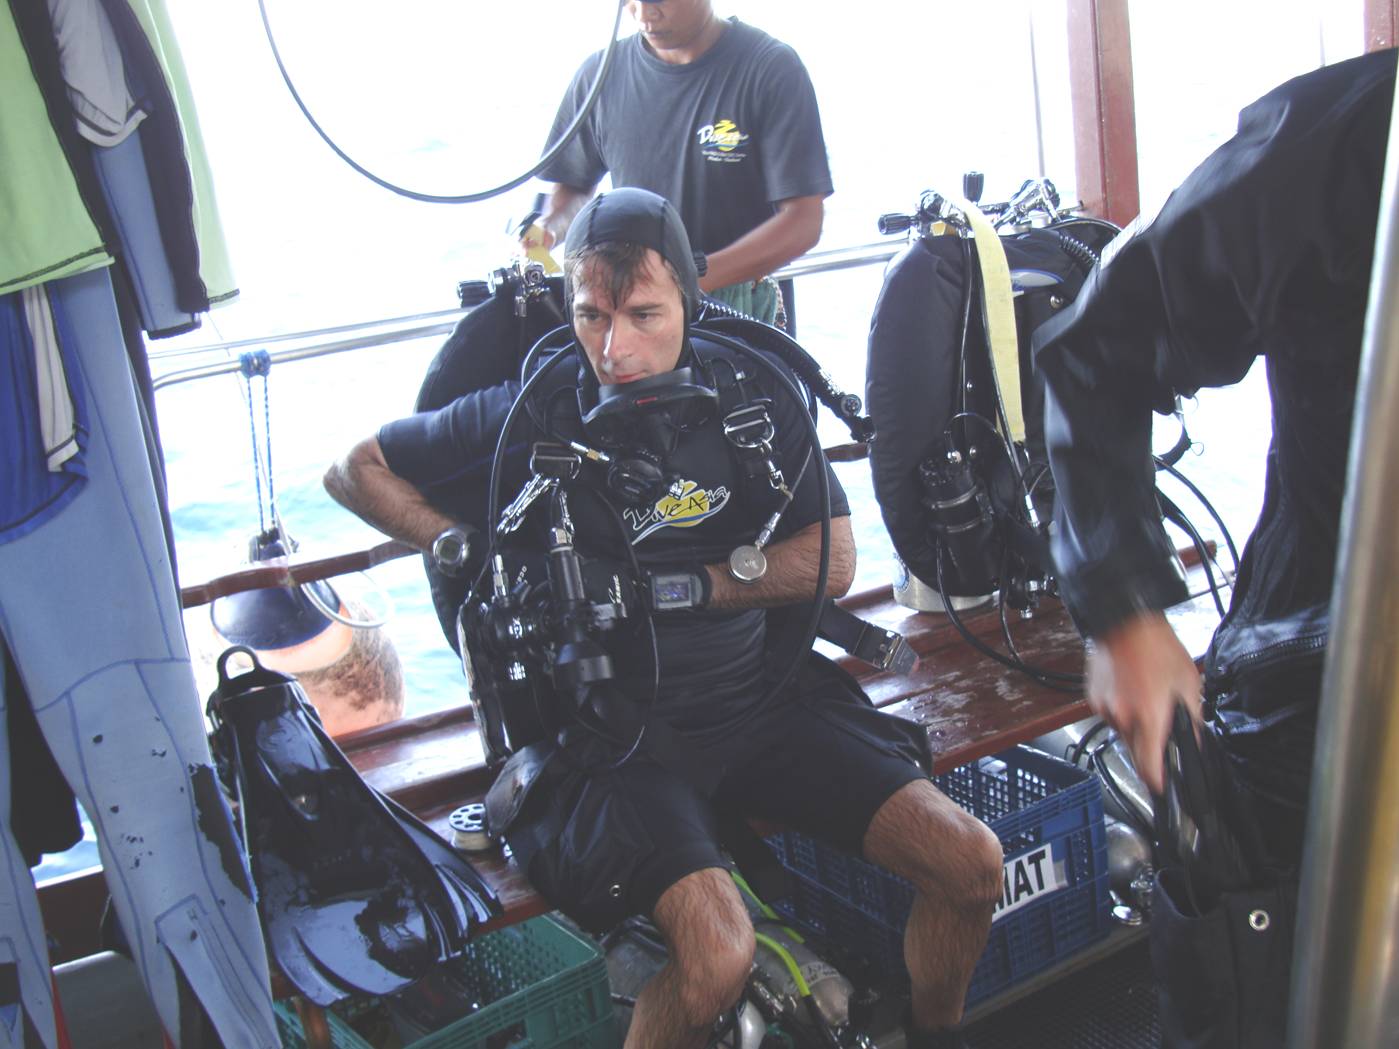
x=89 y=611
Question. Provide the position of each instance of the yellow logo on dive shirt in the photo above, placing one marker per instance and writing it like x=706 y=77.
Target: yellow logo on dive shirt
x=684 y=505
x=721 y=139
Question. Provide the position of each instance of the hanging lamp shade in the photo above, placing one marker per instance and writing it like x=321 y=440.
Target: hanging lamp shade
x=275 y=617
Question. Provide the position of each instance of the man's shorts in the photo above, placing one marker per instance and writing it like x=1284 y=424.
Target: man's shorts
x=603 y=843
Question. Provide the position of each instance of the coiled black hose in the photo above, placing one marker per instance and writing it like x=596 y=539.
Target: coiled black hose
x=1075 y=249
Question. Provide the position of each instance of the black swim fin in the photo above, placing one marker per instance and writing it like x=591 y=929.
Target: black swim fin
x=475 y=901
x=356 y=896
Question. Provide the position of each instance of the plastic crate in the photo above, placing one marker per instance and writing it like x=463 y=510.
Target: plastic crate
x=1031 y=801
x=540 y=987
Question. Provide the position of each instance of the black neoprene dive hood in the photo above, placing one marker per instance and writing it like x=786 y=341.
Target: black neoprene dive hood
x=638 y=216
x=646 y=414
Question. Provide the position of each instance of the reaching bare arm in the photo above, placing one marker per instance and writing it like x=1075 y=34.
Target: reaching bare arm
x=792 y=231
x=1136 y=673
x=792 y=570
x=363 y=483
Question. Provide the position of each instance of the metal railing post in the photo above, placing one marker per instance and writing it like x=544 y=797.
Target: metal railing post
x=1345 y=978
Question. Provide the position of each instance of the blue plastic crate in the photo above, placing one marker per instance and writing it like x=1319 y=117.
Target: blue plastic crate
x=1031 y=801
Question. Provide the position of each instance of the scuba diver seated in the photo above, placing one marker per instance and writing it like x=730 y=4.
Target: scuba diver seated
x=628 y=822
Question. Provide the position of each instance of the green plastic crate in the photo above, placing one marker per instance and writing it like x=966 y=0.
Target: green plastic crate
x=540 y=985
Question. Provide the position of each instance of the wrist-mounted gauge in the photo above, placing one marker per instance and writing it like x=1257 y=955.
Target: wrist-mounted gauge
x=451 y=549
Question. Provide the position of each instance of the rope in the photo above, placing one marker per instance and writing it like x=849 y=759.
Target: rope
x=258 y=364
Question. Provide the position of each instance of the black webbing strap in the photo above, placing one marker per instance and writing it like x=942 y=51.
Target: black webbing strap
x=883 y=649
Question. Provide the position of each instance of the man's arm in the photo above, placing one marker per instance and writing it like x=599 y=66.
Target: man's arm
x=792 y=570
x=362 y=482
x=564 y=203
x=792 y=231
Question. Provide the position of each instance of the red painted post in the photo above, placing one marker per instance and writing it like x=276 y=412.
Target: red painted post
x=1380 y=20
x=1105 y=125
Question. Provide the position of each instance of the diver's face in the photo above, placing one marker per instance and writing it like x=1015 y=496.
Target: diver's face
x=671 y=25
x=636 y=338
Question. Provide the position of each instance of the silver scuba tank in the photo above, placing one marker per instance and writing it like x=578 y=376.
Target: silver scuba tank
x=775 y=986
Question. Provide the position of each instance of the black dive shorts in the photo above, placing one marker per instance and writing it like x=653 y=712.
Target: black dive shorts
x=603 y=843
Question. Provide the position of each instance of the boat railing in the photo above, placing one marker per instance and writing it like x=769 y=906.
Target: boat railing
x=304 y=345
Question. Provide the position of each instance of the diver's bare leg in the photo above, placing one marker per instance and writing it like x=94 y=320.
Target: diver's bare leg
x=954 y=863
x=710 y=938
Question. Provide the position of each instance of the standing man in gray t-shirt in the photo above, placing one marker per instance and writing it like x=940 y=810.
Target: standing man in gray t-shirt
x=714 y=115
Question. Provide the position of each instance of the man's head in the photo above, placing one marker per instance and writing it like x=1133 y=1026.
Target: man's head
x=631 y=283
x=673 y=25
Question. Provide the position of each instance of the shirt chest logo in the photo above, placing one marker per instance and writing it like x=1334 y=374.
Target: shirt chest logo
x=723 y=142
x=684 y=505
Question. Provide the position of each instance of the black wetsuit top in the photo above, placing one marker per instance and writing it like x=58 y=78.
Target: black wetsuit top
x=711 y=662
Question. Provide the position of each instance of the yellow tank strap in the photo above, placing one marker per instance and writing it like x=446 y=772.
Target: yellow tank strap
x=998 y=313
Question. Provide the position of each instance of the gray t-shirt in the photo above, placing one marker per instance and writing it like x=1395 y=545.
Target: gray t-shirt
x=724 y=138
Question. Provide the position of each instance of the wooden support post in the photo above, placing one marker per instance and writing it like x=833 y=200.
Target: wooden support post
x=1105 y=125
x=1380 y=20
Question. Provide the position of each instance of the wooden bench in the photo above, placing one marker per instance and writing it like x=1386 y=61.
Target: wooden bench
x=968 y=704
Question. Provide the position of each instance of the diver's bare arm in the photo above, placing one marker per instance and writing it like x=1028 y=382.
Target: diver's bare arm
x=792 y=570
x=363 y=483
x=792 y=231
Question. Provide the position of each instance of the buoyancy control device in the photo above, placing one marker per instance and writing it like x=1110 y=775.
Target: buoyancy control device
x=959 y=466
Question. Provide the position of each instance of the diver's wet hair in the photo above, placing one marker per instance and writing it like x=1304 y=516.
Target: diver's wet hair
x=620 y=263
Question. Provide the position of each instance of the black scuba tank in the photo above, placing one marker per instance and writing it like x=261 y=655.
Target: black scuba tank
x=485 y=349
x=942 y=475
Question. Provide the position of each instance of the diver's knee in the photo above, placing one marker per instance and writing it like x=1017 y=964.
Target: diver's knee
x=714 y=981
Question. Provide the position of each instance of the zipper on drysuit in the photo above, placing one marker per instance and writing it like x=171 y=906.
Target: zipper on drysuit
x=1226 y=678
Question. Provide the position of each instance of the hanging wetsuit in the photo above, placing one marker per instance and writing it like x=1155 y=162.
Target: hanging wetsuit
x=89 y=613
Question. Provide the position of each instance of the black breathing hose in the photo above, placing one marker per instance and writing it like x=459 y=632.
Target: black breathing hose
x=824 y=483
x=1042 y=676
x=589 y=101
x=846 y=406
